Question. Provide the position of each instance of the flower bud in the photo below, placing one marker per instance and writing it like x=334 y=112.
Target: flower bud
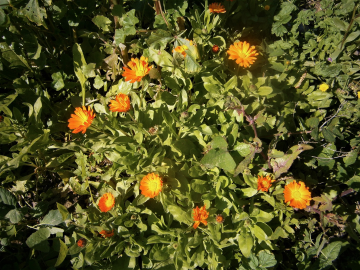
x=81 y=242
x=215 y=49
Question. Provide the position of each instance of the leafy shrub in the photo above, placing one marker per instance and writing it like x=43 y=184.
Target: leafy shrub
x=211 y=156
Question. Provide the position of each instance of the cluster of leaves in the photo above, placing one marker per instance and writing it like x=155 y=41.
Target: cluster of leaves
x=206 y=125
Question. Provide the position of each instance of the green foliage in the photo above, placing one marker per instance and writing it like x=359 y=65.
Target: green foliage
x=209 y=127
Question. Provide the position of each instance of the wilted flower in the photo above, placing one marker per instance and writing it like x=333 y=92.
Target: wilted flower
x=219 y=219
x=215 y=49
x=264 y=183
x=106 y=234
x=323 y=87
x=200 y=215
x=81 y=242
x=137 y=69
x=120 y=104
x=242 y=53
x=106 y=202
x=151 y=185
x=297 y=194
x=1 y=118
x=217 y=8
x=181 y=49
x=81 y=120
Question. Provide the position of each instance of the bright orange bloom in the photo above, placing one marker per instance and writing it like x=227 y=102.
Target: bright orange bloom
x=81 y=120
x=200 y=215
x=217 y=8
x=106 y=202
x=264 y=183
x=242 y=53
x=267 y=7
x=137 y=69
x=181 y=49
x=106 y=234
x=297 y=194
x=215 y=49
x=120 y=104
x=151 y=185
x=81 y=242
x=219 y=219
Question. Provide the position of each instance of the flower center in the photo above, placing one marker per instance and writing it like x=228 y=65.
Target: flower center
x=296 y=195
x=265 y=183
x=153 y=185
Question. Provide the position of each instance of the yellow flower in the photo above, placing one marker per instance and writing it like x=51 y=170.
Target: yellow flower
x=217 y=8
x=137 y=69
x=181 y=49
x=151 y=185
x=106 y=202
x=242 y=53
x=200 y=215
x=323 y=87
x=264 y=183
x=359 y=94
x=297 y=194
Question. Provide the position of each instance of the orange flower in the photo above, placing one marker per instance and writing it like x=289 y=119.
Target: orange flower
x=217 y=8
x=215 y=49
x=297 y=194
x=242 y=53
x=81 y=120
x=137 y=69
x=151 y=185
x=106 y=202
x=267 y=7
x=219 y=219
x=81 y=242
x=181 y=49
x=264 y=183
x=120 y=104
x=106 y=234
x=200 y=215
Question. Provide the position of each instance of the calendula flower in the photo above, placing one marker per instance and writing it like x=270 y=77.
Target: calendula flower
x=81 y=242
x=217 y=8
x=106 y=234
x=181 y=49
x=120 y=104
x=137 y=69
x=219 y=219
x=264 y=183
x=81 y=120
x=200 y=215
x=323 y=87
x=151 y=185
x=215 y=49
x=106 y=202
x=297 y=194
x=242 y=53
x=190 y=41
x=267 y=7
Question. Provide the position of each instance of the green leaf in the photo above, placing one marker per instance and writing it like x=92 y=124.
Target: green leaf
x=7 y=197
x=63 y=211
x=159 y=39
x=350 y=158
x=266 y=259
x=14 y=215
x=258 y=232
x=102 y=22
x=244 y=149
x=329 y=254
x=200 y=186
x=62 y=253
x=79 y=62
x=179 y=214
x=58 y=81
x=54 y=217
x=246 y=243
x=354 y=183
x=35 y=13
x=161 y=57
x=339 y=24
x=98 y=83
x=219 y=158
x=37 y=237
x=265 y=90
